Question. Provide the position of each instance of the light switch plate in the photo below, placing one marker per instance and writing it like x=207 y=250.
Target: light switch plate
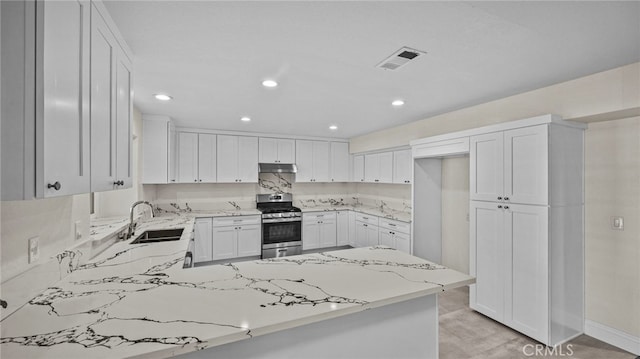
x=78 y=229
x=34 y=249
x=617 y=223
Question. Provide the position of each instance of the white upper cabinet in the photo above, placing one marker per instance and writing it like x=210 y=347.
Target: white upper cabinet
x=510 y=166
x=60 y=94
x=378 y=167
x=111 y=109
x=312 y=160
x=339 y=171
x=402 y=163
x=207 y=158
x=358 y=168
x=196 y=157
x=159 y=154
x=237 y=159
x=277 y=150
x=187 y=157
x=62 y=105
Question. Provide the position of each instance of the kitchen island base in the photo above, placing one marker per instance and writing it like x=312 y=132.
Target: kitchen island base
x=407 y=329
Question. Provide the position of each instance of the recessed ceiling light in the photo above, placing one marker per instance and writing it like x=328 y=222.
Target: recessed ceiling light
x=333 y=127
x=245 y=119
x=397 y=103
x=162 y=97
x=269 y=83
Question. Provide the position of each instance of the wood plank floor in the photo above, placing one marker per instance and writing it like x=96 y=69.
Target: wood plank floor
x=466 y=334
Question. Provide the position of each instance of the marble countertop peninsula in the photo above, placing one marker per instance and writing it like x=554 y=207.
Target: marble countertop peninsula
x=137 y=300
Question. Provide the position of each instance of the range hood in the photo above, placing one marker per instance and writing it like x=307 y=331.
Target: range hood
x=277 y=168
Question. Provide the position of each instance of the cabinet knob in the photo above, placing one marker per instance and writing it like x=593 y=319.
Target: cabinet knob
x=499 y=206
x=173 y=180
x=377 y=180
x=499 y=198
x=506 y=198
x=239 y=180
x=199 y=180
x=195 y=180
x=55 y=186
x=119 y=183
x=506 y=207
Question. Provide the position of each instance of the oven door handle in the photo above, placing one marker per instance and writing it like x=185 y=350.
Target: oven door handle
x=282 y=220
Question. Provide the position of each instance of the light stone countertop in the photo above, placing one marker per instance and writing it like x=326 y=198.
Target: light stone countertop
x=374 y=211
x=138 y=300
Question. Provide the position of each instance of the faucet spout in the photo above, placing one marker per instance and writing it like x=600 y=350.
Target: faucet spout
x=131 y=224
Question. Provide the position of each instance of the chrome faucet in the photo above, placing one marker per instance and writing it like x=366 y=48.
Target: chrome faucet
x=131 y=224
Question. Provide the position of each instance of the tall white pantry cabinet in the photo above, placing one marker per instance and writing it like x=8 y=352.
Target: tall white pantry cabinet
x=526 y=229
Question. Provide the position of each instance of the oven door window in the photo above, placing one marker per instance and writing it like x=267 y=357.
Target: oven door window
x=281 y=232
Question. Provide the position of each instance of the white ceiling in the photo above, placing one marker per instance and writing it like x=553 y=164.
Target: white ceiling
x=212 y=56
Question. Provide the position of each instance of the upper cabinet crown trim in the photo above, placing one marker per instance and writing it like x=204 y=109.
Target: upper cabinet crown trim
x=533 y=121
x=259 y=134
x=99 y=5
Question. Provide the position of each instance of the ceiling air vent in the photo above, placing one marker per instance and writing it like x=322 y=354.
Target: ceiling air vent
x=400 y=58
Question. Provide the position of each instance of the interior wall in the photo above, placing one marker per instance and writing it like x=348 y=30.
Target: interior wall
x=612 y=188
x=117 y=203
x=52 y=220
x=455 y=213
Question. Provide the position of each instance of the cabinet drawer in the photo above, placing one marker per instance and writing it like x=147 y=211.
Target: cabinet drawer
x=236 y=221
x=396 y=226
x=318 y=216
x=367 y=218
x=442 y=148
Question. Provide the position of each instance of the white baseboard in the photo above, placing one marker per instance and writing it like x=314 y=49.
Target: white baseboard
x=612 y=336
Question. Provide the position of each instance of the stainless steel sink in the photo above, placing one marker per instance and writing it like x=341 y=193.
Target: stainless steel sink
x=159 y=235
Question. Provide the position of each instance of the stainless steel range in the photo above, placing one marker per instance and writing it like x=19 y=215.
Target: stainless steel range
x=281 y=225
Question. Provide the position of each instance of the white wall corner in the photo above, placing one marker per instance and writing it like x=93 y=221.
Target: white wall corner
x=612 y=336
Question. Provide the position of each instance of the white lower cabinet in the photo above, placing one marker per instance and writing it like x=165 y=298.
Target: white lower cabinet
x=319 y=230
x=366 y=235
x=342 y=228
x=352 y=228
x=202 y=239
x=510 y=260
x=227 y=237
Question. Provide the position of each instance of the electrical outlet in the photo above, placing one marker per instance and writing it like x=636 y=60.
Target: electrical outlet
x=34 y=249
x=78 y=229
x=617 y=223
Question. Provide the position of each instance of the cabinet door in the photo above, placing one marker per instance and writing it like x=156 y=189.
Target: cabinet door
x=103 y=122
x=358 y=168
x=486 y=173
x=352 y=228
x=203 y=232
x=328 y=231
x=268 y=150
x=339 y=161
x=172 y=141
x=124 y=111
x=227 y=152
x=155 y=147
x=385 y=238
x=63 y=106
x=371 y=168
x=304 y=161
x=527 y=284
x=286 y=151
x=372 y=236
x=249 y=240
x=386 y=167
x=402 y=163
x=342 y=228
x=224 y=243
x=526 y=165
x=207 y=166
x=361 y=235
x=248 y=159
x=487 y=258
x=187 y=157
x=402 y=242
x=310 y=233
x=320 y=161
